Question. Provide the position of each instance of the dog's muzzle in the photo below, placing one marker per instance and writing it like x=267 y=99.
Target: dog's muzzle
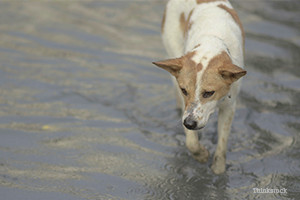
x=191 y=123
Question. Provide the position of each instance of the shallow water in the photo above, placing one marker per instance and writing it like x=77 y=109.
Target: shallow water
x=85 y=115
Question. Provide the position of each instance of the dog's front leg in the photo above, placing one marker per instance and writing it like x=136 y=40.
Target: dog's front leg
x=225 y=117
x=197 y=150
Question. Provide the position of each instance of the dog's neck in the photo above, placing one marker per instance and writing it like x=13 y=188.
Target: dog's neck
x=207 y=48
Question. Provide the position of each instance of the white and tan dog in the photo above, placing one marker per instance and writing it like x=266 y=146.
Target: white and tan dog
x=205 y=40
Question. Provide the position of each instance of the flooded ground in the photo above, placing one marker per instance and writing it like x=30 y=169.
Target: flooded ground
x=85 y=115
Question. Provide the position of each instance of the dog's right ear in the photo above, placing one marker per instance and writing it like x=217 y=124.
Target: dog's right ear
x=171 y=65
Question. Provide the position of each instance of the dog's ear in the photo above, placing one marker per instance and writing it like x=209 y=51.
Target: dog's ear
x=231 y=72
x=171 y=65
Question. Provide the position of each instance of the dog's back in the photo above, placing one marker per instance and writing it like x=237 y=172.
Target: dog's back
x=186 y=21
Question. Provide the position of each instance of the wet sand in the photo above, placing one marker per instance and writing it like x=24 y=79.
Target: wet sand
x=85 y=115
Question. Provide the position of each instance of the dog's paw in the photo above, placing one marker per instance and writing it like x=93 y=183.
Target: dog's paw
x=218 y=166
x=201 y=156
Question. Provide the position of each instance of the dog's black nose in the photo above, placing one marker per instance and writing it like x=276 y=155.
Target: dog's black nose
x=190 y=123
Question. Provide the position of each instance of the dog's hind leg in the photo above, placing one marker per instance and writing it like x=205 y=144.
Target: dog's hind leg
x=198 y=151
x=225 y=117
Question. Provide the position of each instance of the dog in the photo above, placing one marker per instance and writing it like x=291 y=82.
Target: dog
x=205 y=41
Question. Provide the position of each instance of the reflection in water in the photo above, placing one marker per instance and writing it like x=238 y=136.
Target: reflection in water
x=84 y=114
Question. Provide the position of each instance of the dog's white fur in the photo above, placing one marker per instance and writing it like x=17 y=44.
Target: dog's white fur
x=197 y=33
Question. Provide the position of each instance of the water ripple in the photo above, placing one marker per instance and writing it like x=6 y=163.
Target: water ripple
x=144 y=192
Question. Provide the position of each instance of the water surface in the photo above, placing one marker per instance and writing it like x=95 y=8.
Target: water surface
x=85 y=115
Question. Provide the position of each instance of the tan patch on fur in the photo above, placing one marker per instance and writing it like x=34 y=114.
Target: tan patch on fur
x=218 y=76
x=171 y=65
x=163 y=21
x=198 y=45
x=236 y=19
x=199 y=118
x=212 y=80
x=182 y=22
x=190 y=23
x=207 y=1
x=185 y=25
x=187 y=77
x=199 y=67
x=185 y=71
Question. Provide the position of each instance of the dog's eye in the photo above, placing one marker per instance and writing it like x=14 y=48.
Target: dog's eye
x=208 y=94
x=184 y=91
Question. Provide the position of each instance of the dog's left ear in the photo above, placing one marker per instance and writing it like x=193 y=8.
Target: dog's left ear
x=171 y=65
x=232 y=72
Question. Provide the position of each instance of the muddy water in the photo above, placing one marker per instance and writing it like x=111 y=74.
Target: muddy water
x=85 y=115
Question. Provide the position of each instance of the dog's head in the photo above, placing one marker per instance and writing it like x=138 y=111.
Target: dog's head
x=204 y=80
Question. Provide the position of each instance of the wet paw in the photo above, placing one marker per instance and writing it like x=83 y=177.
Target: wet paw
x=218 y=166
x=201 y=156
